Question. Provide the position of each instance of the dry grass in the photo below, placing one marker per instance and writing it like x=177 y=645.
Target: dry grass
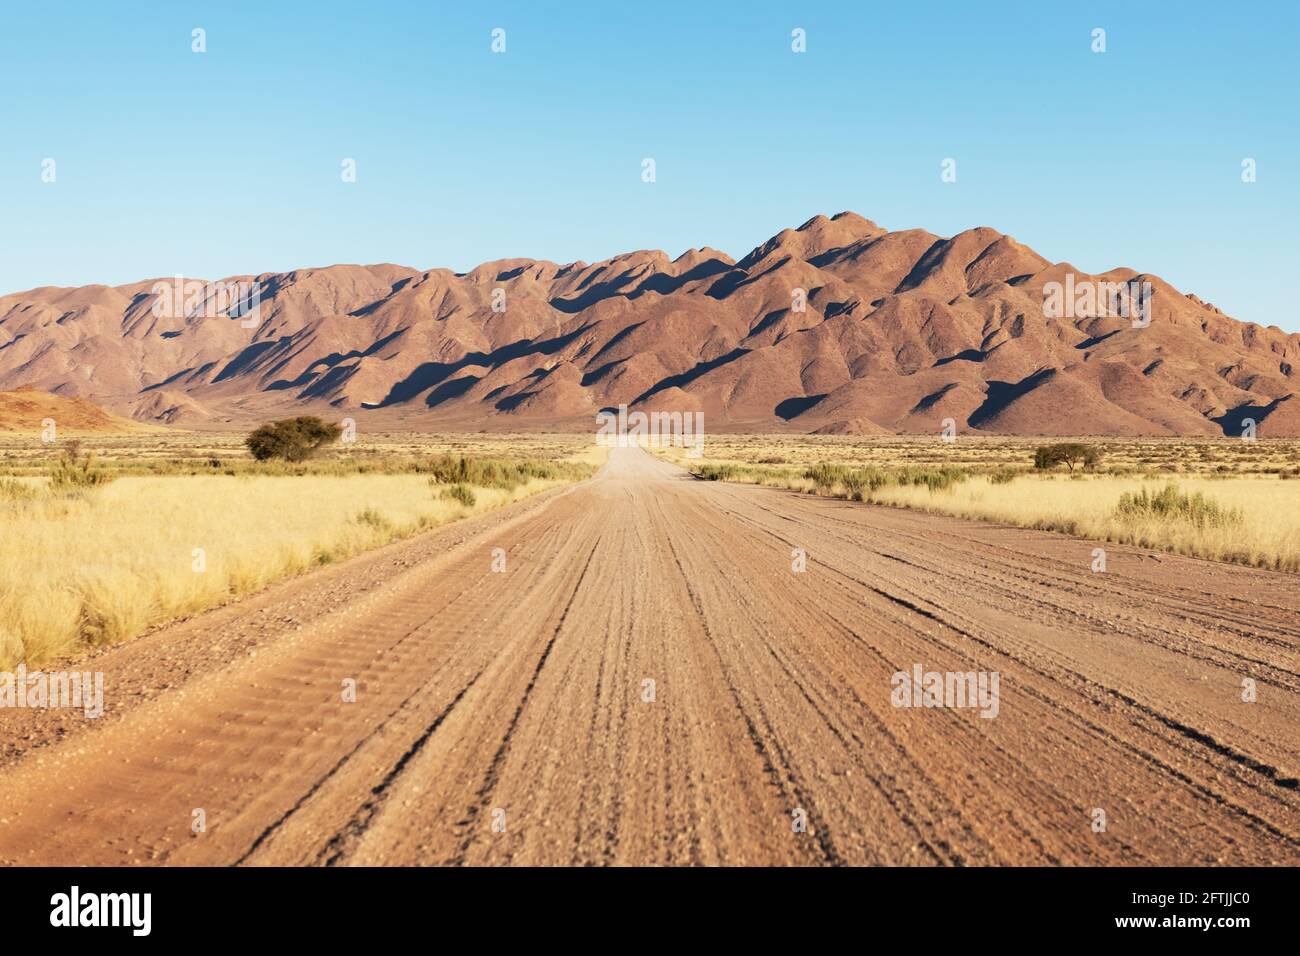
x=98 y=565
x=1266 y=533
x=1143 y=457
x=223 y=453
x=1232 y=500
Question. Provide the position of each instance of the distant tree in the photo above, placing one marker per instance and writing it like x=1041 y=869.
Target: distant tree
x=1070 y=454
x=293 y=439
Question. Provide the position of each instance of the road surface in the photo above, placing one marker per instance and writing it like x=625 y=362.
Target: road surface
x=649 y=681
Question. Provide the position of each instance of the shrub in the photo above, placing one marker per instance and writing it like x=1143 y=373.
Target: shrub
x=855 y=483
x=1004 y=476
x=860 y=483
x=1070 y=454
x=75 y=470
x=1171 y=504
x=825 y=477
x=461 y=493
x=935 y=479
x=487 y=472
x=715 y=472
x=292 y=439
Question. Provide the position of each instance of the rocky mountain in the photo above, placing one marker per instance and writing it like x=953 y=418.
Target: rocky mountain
x=837 y=326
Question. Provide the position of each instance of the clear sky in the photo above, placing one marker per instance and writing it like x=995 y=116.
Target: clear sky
x=229 y=161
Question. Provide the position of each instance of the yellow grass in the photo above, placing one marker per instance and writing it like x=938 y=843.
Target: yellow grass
x=1255 y=479
x=1140 y=457
x=1267 y=536
x=104 y=564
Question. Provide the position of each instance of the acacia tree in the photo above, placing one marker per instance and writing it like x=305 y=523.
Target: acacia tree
x=1070 y=454
x=293 y=439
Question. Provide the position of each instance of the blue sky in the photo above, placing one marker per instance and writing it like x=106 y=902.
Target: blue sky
x=229 y=161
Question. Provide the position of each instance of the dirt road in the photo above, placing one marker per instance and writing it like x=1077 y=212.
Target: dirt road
x=649 y=680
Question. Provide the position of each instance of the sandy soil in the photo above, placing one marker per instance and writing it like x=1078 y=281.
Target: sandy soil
x=501 y=717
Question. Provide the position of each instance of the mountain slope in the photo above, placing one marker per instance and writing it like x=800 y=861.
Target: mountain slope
x=839 y=325
x=28 y=411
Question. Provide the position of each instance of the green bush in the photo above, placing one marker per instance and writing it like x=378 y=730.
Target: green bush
x=1171 y=504
x=292 y=439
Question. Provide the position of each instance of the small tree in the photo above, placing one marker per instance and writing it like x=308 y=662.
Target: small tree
x=293 y=439
x=1070 y=454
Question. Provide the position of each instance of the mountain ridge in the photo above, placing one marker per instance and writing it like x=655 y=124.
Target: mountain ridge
x=837 y=325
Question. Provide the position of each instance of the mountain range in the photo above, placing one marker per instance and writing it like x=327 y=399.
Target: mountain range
x=839 y=326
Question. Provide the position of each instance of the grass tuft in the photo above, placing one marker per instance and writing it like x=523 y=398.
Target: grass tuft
x=715 y=472
x=461 y=493
x=1172 y=504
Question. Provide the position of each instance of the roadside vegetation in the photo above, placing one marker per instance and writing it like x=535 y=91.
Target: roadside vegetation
x=98 y=546
x=1225 y=500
